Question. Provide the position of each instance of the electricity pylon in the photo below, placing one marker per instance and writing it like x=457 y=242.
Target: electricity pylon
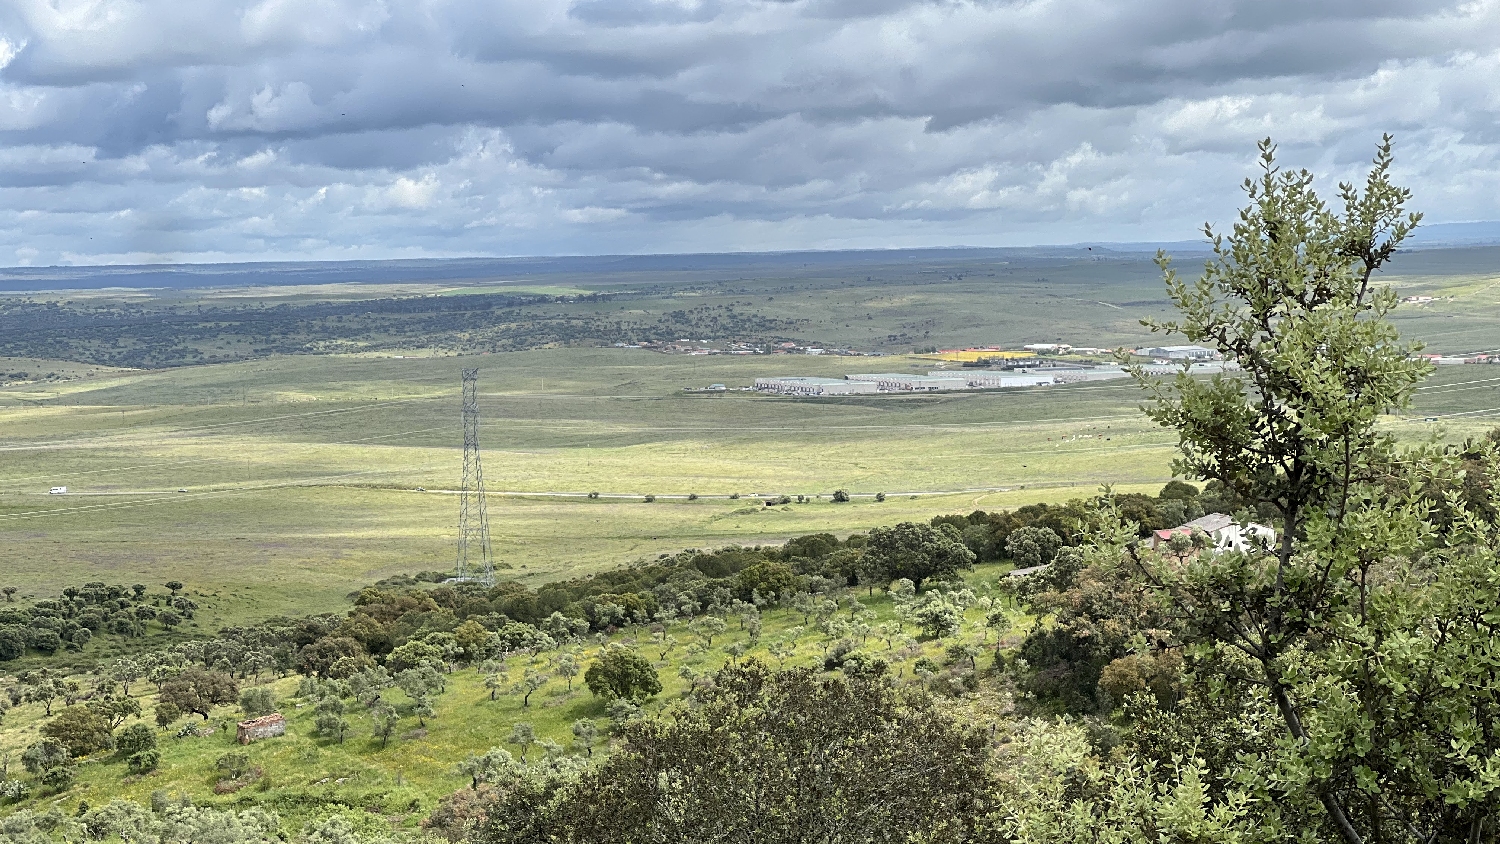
x=474 y=559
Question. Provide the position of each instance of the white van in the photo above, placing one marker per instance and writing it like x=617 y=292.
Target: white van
x=58 y=490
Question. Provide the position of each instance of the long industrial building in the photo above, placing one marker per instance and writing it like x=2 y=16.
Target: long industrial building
x=989 y=380
x=900 y=382
x=949 y=380
x=797 y=385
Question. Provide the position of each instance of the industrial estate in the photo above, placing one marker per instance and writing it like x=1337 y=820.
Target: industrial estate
x=994 y=368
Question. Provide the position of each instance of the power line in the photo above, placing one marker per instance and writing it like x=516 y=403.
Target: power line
x=474 y=560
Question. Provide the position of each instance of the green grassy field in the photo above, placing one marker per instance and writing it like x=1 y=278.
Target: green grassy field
x=301 y=477
x=301 y=473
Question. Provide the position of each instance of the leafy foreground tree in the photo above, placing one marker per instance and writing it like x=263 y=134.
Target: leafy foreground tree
x=1368 y=632
x=770 y=757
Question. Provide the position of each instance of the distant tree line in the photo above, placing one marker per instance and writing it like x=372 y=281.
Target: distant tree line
x=154 y=335
x=74 y=618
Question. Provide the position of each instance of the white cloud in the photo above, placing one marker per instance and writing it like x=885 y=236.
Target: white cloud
x=189 y=129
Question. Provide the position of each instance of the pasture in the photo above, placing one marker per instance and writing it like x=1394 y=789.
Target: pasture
x=275 y=483
x=301 y=474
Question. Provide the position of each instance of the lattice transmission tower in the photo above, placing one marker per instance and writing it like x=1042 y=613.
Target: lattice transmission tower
x=474 y=559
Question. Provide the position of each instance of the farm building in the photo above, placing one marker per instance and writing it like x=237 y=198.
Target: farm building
x=1177 y=352
x=1227 y=534
x=897 y=382
x=266 y=726
x=796 y=385
x=1074 y=376
x=982 y=380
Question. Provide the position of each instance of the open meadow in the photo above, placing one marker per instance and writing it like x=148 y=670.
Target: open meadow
x=276 y=483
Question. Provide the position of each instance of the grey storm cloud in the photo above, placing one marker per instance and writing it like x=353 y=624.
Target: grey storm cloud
x=152 y=130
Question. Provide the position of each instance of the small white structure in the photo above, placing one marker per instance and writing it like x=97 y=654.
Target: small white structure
x=1048 y=348
x=1226 y=533
x=1177 y=352
x=797 y=385
x=58 y=490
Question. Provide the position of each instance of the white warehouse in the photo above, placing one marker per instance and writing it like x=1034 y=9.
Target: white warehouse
x=797 y=385
x=1177 y=352
x=899 y=382
x=989 y=380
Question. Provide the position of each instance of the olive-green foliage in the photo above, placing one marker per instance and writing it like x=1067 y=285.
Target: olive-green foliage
x=199 y=691
x=166 y=713
x=769 y=580
x=134 y=739
x=1366 y=630
x=1032 y=546
x=622 y=673
x=257 y=700
x=143 y=761
x=81 y=730
x=772 y=757
x=80 y=613
x=130 y=821
x=50 y=761
x=918 y=552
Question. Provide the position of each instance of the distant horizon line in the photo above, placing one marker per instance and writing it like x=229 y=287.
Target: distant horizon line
x=1422 y=238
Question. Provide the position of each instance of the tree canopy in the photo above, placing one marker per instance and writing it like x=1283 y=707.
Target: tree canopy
x=917 y=552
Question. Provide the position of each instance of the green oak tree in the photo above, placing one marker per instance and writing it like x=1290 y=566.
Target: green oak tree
x=623 y=674
x=1365 y=631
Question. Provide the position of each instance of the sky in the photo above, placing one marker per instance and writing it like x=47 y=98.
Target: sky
x=144 y=131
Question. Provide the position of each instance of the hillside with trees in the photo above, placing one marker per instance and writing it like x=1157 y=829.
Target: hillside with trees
x=1338 y=681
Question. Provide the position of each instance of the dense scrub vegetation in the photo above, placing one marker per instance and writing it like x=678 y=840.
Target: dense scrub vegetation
x=152 y=335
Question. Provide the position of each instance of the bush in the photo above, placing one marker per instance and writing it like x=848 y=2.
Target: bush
x=258 y=701
x=50 y=762
x=840 y=496
x=135 y=739
x=146 y=760
x=12 y=643
x=769 y=757
x=44 y=640
x=166 y=713
x=621 y=673
x=879 y=496
x=80 y=730
x=199 y=691
x=650 y=498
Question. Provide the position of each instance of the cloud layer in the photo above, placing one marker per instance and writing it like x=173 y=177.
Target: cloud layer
x=168 y=130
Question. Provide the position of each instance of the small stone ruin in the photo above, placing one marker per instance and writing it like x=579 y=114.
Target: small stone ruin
x=266 y=726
